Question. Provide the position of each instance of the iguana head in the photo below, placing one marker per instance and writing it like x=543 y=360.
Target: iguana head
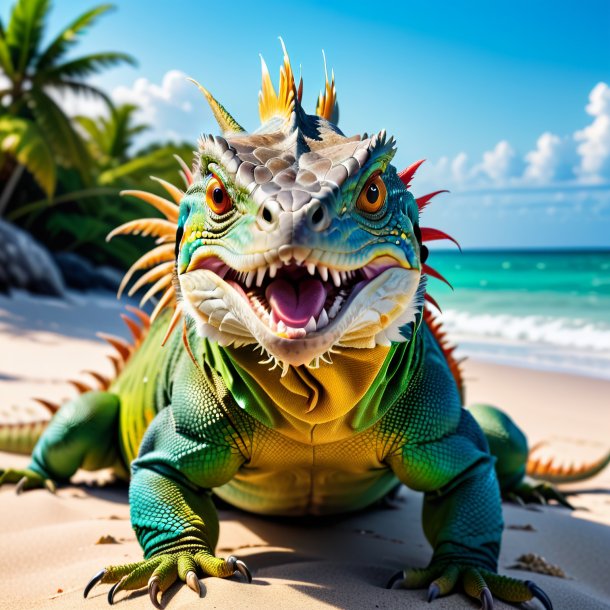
x=295 y=237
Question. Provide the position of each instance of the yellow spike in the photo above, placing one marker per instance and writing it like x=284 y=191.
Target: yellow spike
x=159 y=254
x=168 y=208
x=157 y=227
x=163 y=303
x=141 y=315
x=166 y=239
x=150 y=276
x=225 y=121
x=165 y=281
x=172 y=324
x=280 y=104
x=326 y=106
x=120 y=345
x=175 y=193
x=187 y=345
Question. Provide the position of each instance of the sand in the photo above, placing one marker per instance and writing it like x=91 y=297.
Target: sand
x=48 y=547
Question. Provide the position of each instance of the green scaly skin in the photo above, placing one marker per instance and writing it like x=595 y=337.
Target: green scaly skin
x=357 y=403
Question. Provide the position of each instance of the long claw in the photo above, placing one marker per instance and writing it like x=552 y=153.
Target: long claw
x=541 y=499
x=50 y=485
x=487 y=600
x=433 y=592
x=20 y=487
x=93 y=582
x=193 y=582
x=539 y=594
x=394 y=579
x=239 y=566
x=559 y=497
x=153 y=592
x=513 y=497
x=113 y=591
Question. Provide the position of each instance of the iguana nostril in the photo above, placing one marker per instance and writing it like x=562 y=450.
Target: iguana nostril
x=317 y=216
x=267 y=216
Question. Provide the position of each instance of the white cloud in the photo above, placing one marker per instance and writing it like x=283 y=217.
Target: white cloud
x=594 y=139
x=499 y=165
x=553 y=159
x=579 y=158
x=174 y=108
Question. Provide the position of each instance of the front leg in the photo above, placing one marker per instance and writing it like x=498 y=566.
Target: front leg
x=462 y=517
x=171 y=509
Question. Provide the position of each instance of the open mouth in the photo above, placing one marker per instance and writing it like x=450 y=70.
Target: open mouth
x=296 y=300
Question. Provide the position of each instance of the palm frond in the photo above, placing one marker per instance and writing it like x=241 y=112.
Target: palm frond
x=25 y=30
x=69 y=36
x=84 y=67
x=25 y=141
x=6 y=63
x=79 y=88
x=69 y=148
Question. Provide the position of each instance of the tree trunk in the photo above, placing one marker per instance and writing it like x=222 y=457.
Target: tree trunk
x=9 y=188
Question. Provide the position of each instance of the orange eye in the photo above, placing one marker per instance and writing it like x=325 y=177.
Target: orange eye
x=217 y=197
x=373 y=195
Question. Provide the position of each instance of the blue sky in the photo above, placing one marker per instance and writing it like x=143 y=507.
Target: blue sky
x=506 y=100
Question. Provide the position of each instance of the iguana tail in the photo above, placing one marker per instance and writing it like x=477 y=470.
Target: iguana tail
x=21 y=437
x=547 y=470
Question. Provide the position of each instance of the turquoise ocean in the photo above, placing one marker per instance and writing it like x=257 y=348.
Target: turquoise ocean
x=541 y=309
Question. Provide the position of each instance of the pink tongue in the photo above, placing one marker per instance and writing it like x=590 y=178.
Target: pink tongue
x=296 y=302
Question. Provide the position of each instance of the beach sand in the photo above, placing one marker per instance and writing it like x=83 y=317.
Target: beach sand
x=48 y=547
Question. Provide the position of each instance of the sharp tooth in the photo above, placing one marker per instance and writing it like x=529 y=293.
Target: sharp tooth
x=336 y=277
x=250 y=278
x=343 y=276
x=322 y=319
x=311 y=268
x=323 y=271
x=260 y=275
x=310 y=327
x=281 y=327
x=272 y=270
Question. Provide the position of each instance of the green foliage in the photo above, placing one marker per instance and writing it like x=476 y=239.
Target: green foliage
x=35 y=72
x=69 y=197
x=24 y=140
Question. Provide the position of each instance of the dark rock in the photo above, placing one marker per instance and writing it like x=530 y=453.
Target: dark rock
x=109 y=277
x=77 y=271
x=26 y=264
x=80 y=274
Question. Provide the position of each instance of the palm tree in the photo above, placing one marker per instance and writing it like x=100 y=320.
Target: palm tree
x=34 y=130
x=111 y=137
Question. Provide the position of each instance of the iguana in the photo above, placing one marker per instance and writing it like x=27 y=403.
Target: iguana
x=309 y=376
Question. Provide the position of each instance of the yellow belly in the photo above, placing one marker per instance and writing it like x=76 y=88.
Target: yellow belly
x=287 y=477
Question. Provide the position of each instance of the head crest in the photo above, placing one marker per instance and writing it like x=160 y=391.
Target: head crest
x=327 y=106
x=283 y=103
x=225 y=121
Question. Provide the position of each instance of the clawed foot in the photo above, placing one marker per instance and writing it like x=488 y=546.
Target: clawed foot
x=477 y=582
x=528 y=492
x=160 y=572
x=26 y=479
